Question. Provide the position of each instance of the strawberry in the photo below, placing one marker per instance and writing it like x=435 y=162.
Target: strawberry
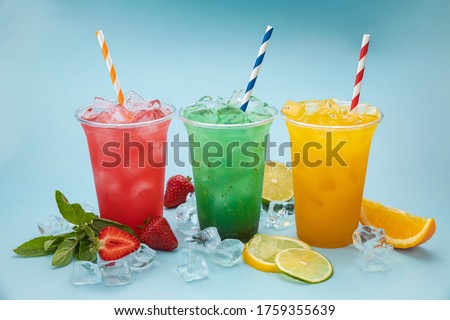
x=114 y=243
x=158 y=235
x=177 y=189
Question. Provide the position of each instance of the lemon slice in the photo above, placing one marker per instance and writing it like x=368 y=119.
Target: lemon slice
x=277 y=184
x=261 y=250
x=305 y=265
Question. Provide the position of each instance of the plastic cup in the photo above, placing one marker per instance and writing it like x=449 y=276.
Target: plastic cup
x=228 y=168
x=128 y=162
x=329 y=169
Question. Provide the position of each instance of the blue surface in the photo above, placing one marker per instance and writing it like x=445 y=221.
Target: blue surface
x=50 y=64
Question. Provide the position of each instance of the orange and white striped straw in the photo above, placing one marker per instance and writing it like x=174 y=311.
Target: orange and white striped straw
x=110 y=66
x=360 y=71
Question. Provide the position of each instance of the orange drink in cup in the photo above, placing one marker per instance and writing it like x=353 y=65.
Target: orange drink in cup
x=330 y=151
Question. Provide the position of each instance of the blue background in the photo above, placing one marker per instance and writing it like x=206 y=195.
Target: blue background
x=50 y=64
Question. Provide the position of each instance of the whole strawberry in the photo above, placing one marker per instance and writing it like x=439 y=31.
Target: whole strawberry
x=158 y=235
x=177 y=189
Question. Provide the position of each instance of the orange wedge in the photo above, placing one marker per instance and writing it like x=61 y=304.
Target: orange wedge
x=403 y=230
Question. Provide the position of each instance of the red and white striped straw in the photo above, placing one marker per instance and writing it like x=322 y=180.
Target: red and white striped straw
x=110 y=66
x=360 y=71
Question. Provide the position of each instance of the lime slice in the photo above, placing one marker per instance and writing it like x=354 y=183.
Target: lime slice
x=289 y=242
x=277 y=184
x=305 y=265
x=261 y=250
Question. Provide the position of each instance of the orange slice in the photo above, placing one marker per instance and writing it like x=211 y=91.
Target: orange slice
x=403 y=230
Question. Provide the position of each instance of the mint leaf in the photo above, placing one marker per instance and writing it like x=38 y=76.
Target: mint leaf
x=100 y=223
x=80 y=233
x=64 y=252
x=52 y=244
x=34 y=247
x=83 y=216
x=89 y=232
x=73 y=213
x=65 y=208
x=84 y=252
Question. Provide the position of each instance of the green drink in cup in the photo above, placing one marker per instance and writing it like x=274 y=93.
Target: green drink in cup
x=227 y=147
x=227 y=150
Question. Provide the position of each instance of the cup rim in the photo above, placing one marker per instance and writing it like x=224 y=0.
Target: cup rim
x=226 y=126
x=78 y=113
x=346 y=127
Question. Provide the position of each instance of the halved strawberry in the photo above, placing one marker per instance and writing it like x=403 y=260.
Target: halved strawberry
x=115 y=243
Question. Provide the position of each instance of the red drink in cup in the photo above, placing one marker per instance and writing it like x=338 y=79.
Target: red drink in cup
x=127 y=147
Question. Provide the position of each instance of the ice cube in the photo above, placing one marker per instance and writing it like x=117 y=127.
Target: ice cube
x=85 y=273
x=100 y=105
x=192 y=266
x=147 y=115
x=103 y=117
x=142 y=258
x=154 y=104
x=227 y=253
x=90 y=115
x=373 y=250
x=120 y=114
x=54 y=225
x=204 y=99
x=187 y=219
x=236 y=97
x=201 y=113
x=204 y=241
x=294 y=110
x=99 y=111
x=115 y=272
x=134 y=101
x=280 y=215
x=258 y=111
x=368 y=237
x=376 y=259
x=259 y=115
x=231 y=115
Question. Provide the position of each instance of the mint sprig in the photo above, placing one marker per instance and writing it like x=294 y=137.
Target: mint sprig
x=73 y=213
x=81 y=243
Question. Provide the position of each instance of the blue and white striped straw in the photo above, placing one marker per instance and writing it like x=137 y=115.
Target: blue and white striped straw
x=256 y=67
